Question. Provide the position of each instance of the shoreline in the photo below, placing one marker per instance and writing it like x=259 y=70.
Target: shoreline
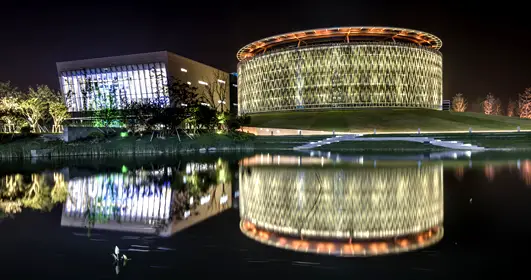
x=222 y=143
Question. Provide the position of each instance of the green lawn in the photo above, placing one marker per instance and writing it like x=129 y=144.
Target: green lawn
x=387 y=120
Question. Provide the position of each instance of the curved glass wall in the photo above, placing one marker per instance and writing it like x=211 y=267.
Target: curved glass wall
x=354 y=75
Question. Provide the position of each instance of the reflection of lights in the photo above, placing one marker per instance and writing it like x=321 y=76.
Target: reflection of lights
x=223 y=199
x=134 y=196
x=490 y=172
x=403 y=200
x=459 y=172
x=344 y=247
x=205 y=199
x=525 y=172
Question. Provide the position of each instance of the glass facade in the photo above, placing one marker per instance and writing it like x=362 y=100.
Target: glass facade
x=344 y=75
x=98 y=88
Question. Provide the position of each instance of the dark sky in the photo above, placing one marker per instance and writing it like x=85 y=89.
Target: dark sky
x=486 y=48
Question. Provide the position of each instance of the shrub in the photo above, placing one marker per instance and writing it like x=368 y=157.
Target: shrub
x=241 y=136
x=25 y=130
x=96 y=135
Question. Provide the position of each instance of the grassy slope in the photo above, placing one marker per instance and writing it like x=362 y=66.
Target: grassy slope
x=387 y=120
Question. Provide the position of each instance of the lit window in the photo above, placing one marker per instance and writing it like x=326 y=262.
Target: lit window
x=188 y=83
x=203 y=83
x=184 y=70
x=221 y=81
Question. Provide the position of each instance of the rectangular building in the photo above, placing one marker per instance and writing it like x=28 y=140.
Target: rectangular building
x=91 y=84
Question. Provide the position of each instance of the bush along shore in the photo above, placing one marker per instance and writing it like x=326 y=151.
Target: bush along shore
x=18 y=146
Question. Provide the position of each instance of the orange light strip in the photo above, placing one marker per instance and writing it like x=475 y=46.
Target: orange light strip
x=345 y=248
x=413 y=36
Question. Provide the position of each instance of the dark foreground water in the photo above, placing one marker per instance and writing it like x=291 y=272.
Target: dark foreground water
x=312 y=215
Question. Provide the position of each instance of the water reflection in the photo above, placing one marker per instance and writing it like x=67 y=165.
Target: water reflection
x=342 y=210
x=36 y=191
x=525 y=171
x=161 y=200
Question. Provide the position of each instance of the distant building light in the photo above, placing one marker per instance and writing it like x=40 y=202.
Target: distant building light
x=184 y=105
x=235 y=104
x=205 y=104
x=223 y=199
x=188 y=83
x=203 y=83
x=191 y=200
x=220 y=101
x=184 y=70
x=187 y=214
x=234 y=85
x=221 y=81
x=205 y=199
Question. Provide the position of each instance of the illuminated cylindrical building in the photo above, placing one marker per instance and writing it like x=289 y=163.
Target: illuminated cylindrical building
x=339 y=68
x=346 y=211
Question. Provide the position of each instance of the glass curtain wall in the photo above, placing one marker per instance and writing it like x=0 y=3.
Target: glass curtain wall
x=93 y=89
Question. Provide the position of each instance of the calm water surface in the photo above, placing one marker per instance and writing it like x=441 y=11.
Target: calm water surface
x=314 y=215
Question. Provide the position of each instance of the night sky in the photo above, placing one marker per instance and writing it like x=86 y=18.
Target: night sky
x=486 y=48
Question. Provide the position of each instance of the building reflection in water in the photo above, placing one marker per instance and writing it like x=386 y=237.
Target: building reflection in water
x=128 y=202
x=161 y=201
x=344 y=210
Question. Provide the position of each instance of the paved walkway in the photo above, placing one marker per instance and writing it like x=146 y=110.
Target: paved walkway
x=455 y=145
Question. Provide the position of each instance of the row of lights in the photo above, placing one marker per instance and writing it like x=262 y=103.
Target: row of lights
x=366 y=248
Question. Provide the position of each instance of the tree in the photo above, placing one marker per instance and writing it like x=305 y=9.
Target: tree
x=511 y=106
x=488 y=104
x=57 y=108
x=215 y=92
x=9 y=107
x=459 y=103
x=59 y=113
x=106 y=111
x=34 y=110
x=8 y=90
x=203 y=118
x=524 y=104
x=140 y=116
x=476 y=105
x=234 y=121
x=183 y=99
x=498 y=107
